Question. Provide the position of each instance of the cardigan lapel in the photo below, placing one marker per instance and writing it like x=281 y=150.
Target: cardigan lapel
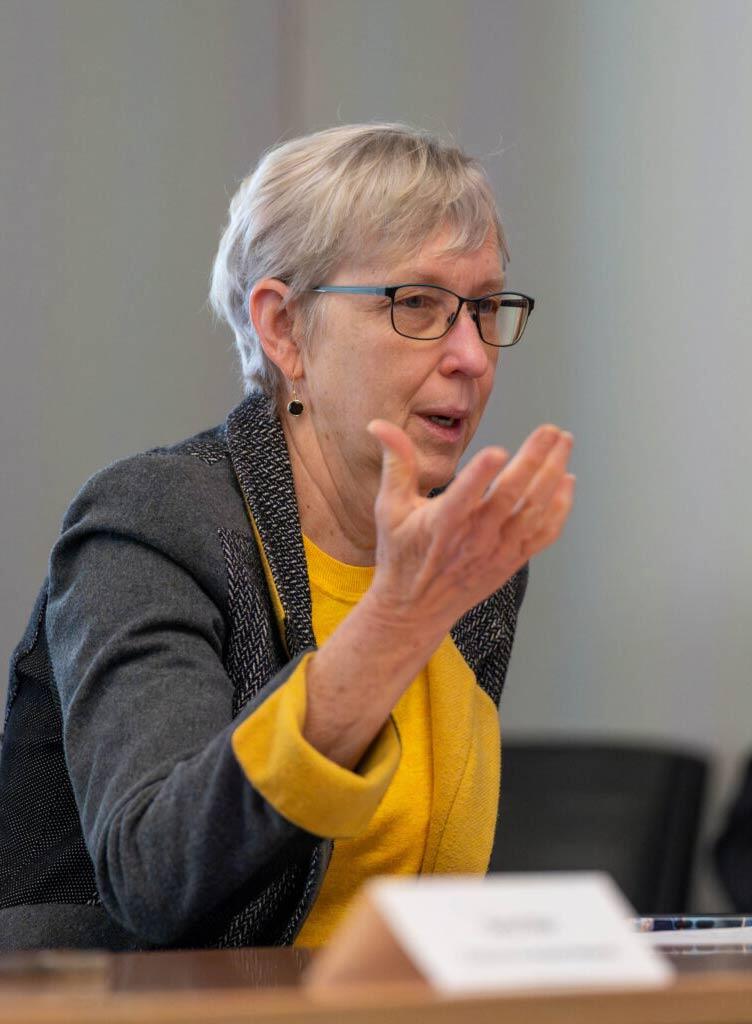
x=484 y=634
x=259 y=455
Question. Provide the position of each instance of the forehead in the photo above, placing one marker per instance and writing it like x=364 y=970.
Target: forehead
x=438 y=261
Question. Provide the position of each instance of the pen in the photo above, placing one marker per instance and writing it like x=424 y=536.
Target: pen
x=681 y=922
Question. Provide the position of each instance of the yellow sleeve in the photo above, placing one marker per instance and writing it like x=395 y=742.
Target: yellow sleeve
x=297 y=780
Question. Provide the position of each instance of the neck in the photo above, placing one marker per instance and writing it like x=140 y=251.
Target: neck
x=335 y=507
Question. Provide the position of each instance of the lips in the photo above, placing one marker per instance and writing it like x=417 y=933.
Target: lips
x=445 y=422
x=450 y=412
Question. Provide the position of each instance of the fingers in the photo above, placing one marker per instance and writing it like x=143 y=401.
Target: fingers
x=545 y=482
x=533 y=474
x=399 y=471
x=537 y=527
x=533 y=496
x=518 y=507
x=470 y=485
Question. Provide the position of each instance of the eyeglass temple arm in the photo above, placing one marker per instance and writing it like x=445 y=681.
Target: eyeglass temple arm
x=353 y=289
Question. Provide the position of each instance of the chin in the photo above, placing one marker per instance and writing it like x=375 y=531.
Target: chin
x=431 y=477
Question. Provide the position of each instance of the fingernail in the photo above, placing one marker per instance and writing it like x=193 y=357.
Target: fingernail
x=551 y=436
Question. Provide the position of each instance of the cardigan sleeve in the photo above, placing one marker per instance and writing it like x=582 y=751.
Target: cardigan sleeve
x=137 y=628
x=305 y=786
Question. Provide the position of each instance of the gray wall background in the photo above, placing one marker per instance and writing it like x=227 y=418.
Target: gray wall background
x=618 y=136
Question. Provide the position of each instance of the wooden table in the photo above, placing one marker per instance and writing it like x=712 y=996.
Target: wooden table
x=257 y=986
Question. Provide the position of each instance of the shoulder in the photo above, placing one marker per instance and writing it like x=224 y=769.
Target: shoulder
x=180 y=500
x=187 y=480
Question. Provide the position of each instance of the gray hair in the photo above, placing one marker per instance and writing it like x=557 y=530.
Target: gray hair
x=327 y=198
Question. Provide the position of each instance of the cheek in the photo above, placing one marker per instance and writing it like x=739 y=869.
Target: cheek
x=353 y=392
x=390 y=380
x=487 y=381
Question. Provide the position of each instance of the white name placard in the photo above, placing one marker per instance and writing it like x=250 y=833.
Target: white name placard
x=518 y=931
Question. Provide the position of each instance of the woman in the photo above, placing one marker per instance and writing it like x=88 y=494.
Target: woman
x=265 y=665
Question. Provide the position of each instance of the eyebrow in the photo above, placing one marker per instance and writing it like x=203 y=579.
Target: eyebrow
x=417 y=276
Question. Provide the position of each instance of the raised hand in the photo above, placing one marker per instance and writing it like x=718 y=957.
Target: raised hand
x=438 y=557
x=435 y=559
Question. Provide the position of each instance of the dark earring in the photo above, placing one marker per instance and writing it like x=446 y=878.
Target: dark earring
x=295 y=407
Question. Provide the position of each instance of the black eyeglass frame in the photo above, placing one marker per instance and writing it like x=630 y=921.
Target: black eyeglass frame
x=509 y=299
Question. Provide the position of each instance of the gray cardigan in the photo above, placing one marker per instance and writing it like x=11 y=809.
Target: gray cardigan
x=125 y=819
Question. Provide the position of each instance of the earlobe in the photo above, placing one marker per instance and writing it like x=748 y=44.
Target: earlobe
x=273 y=324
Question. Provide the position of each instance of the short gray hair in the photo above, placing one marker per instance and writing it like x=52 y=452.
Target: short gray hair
x=321 y=200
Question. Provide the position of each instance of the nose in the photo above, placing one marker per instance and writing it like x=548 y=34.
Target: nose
x=464 y=351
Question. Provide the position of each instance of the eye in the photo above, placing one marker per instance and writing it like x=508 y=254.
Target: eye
x=419 y=300
x=489 y=306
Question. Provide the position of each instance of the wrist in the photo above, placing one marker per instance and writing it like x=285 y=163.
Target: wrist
x=399 y=624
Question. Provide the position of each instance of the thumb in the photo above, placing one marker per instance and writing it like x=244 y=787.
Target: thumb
x=399 y=470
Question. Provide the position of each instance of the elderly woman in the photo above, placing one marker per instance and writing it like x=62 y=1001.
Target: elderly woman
x=267 y=661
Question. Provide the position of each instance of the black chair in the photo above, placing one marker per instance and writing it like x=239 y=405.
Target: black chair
x=733 y=848
x=633 y=811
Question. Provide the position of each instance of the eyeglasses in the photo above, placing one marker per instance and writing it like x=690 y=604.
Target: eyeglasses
x=425 y=312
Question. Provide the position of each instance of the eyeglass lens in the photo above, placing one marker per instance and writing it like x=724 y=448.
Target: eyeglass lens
x=426 y=312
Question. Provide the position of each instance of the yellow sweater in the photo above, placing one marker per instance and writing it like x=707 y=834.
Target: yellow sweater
x=424 y=797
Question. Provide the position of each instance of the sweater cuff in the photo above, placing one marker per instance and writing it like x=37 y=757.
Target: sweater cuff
x=302 y=784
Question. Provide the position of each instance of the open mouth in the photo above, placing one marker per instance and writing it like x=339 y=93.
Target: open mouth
x=448 y=428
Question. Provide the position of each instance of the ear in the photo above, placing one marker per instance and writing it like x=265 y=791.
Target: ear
x=273 y=322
